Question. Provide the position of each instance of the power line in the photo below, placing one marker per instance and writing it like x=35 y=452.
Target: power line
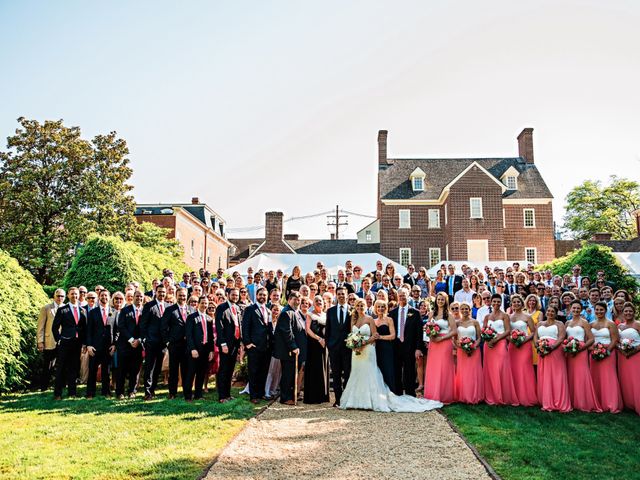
x=293 y=219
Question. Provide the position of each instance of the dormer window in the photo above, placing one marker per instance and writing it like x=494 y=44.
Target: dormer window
x=417 y=180
x=418 y=184
x=510 y=178
x=512 y=182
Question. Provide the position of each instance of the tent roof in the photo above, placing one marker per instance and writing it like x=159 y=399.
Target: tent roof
x=631 y=261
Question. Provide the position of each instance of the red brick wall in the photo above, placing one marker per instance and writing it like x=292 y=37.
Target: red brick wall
x=517 y=237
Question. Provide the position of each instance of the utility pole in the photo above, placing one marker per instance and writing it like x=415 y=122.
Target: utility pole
x=337 y=222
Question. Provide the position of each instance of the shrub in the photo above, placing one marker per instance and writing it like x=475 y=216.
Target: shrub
x=21 y=298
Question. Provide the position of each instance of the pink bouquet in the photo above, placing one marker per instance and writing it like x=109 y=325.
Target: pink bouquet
x=544 y=347
x=488 y=334
x=517 y=337
x=467 y=345
x=626 y=345
x=432 y=329
x=572 y=346
x=600 y=352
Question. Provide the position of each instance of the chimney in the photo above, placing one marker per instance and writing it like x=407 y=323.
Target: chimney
x=382 y=147
x=195 y=200
x=273 y=234
x=525 y=144
x=333 y=236
x=291 y=236
x=602 y=236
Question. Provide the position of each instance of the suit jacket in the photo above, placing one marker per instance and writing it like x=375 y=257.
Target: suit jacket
x=291 y=333
x=412 y=331
x=226 y=323
x=45 y=324
x=99 y=335
x=195 y=334
x=173 y=325
x=65 y=327
x=256 y=328
x=457 y=285
x=408 y=278
x=128 y=328
x=151 y=323
x=335 y=333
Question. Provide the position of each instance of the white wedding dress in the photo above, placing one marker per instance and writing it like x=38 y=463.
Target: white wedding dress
x=366 y=389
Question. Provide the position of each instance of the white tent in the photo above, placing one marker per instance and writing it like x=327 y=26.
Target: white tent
x=631 y=261
x=479 y=265
x=307 y=262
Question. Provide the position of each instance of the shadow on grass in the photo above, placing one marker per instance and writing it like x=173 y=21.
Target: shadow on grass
x=174 y=469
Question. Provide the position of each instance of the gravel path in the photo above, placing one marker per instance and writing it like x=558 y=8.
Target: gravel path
x=309 y=441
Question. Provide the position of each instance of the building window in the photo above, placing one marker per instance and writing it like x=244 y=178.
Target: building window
x=418 y=184
x=405 y=218
x=435 y=257
x=434 y=218
x=446 y=214
x=367 y=235
x=531 y=255
x=475 y=204
x=512 y=182
x=405 y=256
x=529 y=218
x=193 y=248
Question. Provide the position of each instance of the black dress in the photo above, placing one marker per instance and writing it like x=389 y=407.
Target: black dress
x=316 y=367
x=384 y=356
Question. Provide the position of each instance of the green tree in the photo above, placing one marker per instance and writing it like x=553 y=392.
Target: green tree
x=149 y=235
x=57 y=188
x=593 y=208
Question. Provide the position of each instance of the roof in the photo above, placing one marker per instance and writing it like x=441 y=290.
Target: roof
x=311 y=246
x=395 y=184
x=201 y=212
x=621 y=245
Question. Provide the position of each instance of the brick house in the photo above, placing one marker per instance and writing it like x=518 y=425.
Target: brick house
x=477 y=209
x=199 y=229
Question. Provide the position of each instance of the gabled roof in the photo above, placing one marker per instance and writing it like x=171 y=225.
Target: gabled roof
x=313 y=246
x=395 y=184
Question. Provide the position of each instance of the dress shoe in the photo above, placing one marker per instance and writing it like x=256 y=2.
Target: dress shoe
x=289 y=402
x=121 y=397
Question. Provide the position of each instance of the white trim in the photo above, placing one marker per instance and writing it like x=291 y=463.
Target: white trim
x=446 y=214
x=436 y=222
x=524 y=217
x=406 y=249
x=503 y=187
x=471 y=199
x=535 y=252
x=504 y=219
x=446 y=248
x=515 y=180
x=526 y=201
x=408 y=212
x=434 y=249
x=411 y=202
x=254 y=252
x=418 y=172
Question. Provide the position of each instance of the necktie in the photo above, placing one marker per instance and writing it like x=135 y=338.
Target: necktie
x=104 y=316
x=203 y=323
x=235 y=322
x=182 y=313
x=137 y=314
x=402 y=322
x=161 y=307
x=264 y=314
x=75 y=314
x=490 y=309
x=341 y=315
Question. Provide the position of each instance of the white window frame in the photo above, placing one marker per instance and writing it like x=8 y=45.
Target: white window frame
x=413 y=184
x=367 y=235
x=535 y=254
x=533 y=217
x=433 y=250
x=408 y=252
x=446 y=251
x=504 y=219
x=515 y=182
x=408 y=218
x=436 y=220
x=471 y=215
x=446 y=214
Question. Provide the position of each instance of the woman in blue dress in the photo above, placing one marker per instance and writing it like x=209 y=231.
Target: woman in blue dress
x=441 y=284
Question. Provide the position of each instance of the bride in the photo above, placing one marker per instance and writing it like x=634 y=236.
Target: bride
x=366 y=389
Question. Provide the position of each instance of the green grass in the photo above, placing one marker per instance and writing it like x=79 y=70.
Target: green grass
x=114 y=439
x=527 y=443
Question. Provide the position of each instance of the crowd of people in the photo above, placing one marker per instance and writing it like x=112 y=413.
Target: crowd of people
x=508 y=336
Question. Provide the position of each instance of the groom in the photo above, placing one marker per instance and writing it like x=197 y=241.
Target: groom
x=290 y=340
x=408 y=345
x=336 y=331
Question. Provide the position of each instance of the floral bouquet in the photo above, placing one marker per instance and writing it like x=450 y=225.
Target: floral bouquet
x=572 y=346
x=355 y=341
x=488 y=334
x=468 y=345
x=517 y=337
x=626 y=345
x=544 y=346
x=600 y=352
x=432 y=329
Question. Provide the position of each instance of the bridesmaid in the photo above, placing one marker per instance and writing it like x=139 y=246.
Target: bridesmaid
x=553 y=387
x=629 y=362
x=581 y=392
x=603 y=372
x=423 y=308
x=384 y=344
x=440 y=370
x=524 y=379
x=498 y=382
x=533 y=308
x=468 y=386
x=316 y=378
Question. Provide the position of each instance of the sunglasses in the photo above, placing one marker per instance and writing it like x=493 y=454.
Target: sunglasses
x=455 y=308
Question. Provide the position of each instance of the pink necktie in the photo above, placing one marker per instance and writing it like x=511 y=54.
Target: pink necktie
x=204 y=329
x=402 y=320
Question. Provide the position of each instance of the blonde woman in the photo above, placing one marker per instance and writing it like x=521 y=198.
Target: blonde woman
x=533 y=308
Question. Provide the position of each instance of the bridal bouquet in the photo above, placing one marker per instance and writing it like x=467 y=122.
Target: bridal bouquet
x=626 y=345
x=600 y=352
x=468 y=345
x=355 y=341
x=432 y=329
x=488 y=334
x=544 y=346
x=517 y=337
x=572 y=346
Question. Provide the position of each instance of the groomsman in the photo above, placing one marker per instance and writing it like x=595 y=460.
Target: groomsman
x=129 y=343
x=228 y=341
x=199 y=336
x=151 y=330
x=46 y=341
x=290 y=340
x=408 y=345
x=69 y=331
x=257 y=336
x=174 y=336
x=100 y=344
x=336 y=331
x=454 y=282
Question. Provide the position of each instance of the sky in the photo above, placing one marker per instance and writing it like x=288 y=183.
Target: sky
x=256 y=106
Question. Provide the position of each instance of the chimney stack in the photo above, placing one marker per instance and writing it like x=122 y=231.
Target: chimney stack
x=525 y=144
x=382 y=147
x=273 y=234
x=195 y=200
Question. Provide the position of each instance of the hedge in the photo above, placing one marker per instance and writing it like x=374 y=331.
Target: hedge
x=112 y=263
x=21 y=299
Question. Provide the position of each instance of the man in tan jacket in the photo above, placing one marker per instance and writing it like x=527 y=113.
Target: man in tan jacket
x=46 y=342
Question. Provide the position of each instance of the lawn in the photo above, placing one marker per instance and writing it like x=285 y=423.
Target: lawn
x=114 y=439
x=529 y=443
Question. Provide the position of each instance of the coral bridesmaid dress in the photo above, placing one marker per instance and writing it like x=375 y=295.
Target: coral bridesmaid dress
x=605 y=378
x=629 y=372
x=469 y=387
x=498 y=382
x=553 y=387
x=440 y=370
x=524 y=379
x=581 y=392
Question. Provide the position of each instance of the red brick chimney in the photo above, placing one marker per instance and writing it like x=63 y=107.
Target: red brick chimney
x=273 y=234
x=382 y=147
x=601 y=236
x=195 y=200
x=525 y=144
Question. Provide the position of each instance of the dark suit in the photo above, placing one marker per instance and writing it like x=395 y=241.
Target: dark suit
x=101 y=336
x=457 y=285
x=405 y=360
x=408 y=279
x=70 y=336
x=130 y=358
x=291 y=333
x=257 y=330
x=227 y=333
x=151 y=331
x=196 y=327
x=336 y=333
x=174 y=336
